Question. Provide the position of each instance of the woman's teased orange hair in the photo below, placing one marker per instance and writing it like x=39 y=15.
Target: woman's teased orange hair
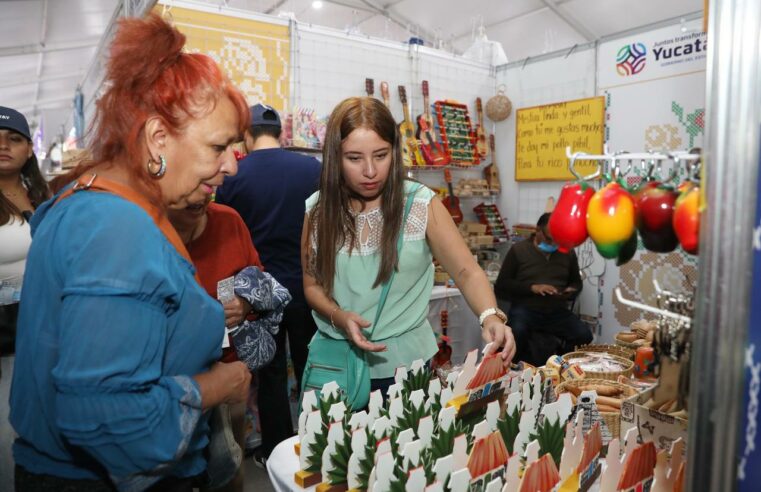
x=148 y=74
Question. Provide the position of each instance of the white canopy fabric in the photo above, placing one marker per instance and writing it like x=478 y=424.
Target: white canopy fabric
x=50 y=47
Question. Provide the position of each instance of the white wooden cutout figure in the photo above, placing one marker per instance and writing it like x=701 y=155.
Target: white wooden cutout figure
x=416 y=481
x=611 y=474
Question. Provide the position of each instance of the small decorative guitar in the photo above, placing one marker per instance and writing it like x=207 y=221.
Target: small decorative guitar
x=444 y=355
x=433 y=153
x=370 y=87
x=407 y=130
x=491 y=172
x=425 y=115
x=481 y=146
x=385 y=94
x=451 y=202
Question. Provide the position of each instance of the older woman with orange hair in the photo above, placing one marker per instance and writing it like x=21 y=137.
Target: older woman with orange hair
x=117 y=341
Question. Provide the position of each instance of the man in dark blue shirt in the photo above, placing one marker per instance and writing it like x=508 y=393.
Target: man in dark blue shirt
x=269 y=193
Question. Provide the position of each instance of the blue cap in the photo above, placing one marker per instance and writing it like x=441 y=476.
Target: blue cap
x=13 y=120
x=263 y=115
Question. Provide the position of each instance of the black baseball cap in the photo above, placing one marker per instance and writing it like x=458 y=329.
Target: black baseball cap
x=263 y=115
x=13 y=120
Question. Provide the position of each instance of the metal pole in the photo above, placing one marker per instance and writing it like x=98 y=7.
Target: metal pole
x=731 y=157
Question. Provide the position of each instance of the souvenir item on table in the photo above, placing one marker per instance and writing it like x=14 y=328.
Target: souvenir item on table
x=639 y=469
x=669 y=466
x=540 y=475
x=641 y=333
x=314 y=422
x=581 y=466
x=600 y=364
x=618 y=350
x=609 y=396
x=610 y=219
x=654 y=203
x=456 y=132
x=487 y=460
x=568 y=222
x=687 y=217
x=643 y=362
x=495 y=226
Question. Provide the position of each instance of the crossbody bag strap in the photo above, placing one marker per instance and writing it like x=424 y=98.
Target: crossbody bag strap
x=399 y=243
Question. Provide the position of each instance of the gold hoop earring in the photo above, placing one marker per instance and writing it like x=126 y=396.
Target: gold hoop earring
x=157 y=173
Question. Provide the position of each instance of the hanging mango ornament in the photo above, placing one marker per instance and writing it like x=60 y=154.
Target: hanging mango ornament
x=687 y=217
x=628 y=250
x=610 y=219
x=568 y=222
x=654 y=204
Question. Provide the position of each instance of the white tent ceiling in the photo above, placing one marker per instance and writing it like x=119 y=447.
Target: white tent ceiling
x=49 y=45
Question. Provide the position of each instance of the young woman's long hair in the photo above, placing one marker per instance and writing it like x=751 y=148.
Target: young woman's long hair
x=36 y=187
x=331 y=219
x=148 y=73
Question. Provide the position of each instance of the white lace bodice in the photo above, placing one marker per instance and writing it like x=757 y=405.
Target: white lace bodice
x=370 y=225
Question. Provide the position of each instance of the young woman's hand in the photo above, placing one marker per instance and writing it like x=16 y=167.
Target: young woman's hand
x=495 y=331
x=353 y=325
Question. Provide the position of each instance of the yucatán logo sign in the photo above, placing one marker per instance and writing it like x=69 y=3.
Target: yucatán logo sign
x=631 y=59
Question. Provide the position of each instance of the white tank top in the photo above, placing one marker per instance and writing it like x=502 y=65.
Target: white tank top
x=15 y=239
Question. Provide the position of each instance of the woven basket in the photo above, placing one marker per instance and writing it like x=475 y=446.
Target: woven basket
x=620 y=351
x=611 y=375
x=499 y=107
x=612 y=419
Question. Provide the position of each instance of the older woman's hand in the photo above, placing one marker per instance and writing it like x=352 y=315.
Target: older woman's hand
x=224 y=383
x=236 y=311
x=497 y=332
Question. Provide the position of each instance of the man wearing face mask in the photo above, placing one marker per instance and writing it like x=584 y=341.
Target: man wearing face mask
x=539 y=282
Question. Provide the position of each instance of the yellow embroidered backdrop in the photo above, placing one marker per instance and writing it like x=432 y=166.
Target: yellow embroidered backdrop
x=255 y=54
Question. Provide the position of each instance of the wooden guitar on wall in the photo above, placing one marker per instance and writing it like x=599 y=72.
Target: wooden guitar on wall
x=432 y=151
x=482 y=147
x=444 y=356
x=409 y=143
x=451 y=202
x=385 y=94
x=426 y=114
x=370 y=87
x=491 y=172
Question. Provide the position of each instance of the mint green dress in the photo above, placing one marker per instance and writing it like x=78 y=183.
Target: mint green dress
x=403 y=326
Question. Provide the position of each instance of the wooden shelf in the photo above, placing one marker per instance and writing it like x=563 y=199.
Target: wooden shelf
x=304 y=149
x=454 y=166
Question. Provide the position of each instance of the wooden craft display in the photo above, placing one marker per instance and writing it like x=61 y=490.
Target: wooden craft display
x=456 y=132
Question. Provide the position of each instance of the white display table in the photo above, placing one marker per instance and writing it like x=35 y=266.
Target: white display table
x=283 y=464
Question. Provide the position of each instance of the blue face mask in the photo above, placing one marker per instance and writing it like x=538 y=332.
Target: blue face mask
x=547 y=248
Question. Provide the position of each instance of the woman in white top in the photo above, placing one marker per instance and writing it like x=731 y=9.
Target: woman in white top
x=22 y=189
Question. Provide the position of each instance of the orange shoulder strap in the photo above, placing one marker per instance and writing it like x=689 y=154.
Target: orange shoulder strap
x=93 y=182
